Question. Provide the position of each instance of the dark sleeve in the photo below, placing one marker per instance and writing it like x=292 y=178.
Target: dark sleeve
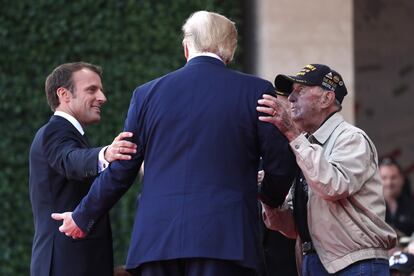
x=112 y=183
x=279 y=162
x=66 y=154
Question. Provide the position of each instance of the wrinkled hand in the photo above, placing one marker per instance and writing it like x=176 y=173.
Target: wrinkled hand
x=279 y=112
x=68 y=226
x=120 y=149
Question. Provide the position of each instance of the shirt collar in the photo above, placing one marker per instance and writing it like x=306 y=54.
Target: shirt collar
x=325 y=130
x=71 y=119
x=208 y=54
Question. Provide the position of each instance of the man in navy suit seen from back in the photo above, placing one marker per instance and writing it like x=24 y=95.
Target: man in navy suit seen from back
x=198 y=131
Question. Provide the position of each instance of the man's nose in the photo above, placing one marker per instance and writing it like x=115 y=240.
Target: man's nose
x=291 y=98
x=101 y=96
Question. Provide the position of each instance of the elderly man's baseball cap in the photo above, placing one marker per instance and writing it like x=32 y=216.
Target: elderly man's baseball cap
x=402 y=262
x=313 y=75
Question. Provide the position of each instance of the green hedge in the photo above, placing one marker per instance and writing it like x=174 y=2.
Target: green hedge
x=134 y=41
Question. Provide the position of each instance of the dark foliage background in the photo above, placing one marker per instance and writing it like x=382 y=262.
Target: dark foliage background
x=134 y=41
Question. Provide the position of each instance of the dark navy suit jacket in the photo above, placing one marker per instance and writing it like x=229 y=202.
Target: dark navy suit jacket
x=62 y=168
x=198 y=130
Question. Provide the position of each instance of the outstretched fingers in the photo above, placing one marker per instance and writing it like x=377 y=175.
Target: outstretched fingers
x=123 y=135
x=121 y=149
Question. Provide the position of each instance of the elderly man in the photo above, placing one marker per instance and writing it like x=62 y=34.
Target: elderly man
x=335 y=206
x=198 y=132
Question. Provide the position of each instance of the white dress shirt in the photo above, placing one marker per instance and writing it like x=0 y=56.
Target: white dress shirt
x=208 y=54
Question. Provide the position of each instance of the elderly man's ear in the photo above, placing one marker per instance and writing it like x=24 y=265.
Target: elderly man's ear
x=328 y=99
x=186 y=50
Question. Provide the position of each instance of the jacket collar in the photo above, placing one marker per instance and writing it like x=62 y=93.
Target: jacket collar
x=204 y=59
x=66 y=123
x=71 y=119
x=325 y=130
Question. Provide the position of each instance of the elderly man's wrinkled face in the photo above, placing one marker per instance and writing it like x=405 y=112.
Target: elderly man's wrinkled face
x=305 y=104
x=392 y=181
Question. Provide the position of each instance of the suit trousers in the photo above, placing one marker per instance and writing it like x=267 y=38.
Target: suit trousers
x=193 y=267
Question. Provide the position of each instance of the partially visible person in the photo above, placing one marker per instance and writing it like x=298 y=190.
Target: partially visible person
x=279 y=253
x=62 y=167
x=401 y=264
x=400 y=205
x=121 y=271
x=278 y=250
x=405 y=244
x=198 y=131
x=336 y=207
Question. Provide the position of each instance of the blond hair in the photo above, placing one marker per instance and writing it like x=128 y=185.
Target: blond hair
x=211 y=32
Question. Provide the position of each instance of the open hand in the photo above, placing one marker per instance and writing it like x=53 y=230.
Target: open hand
x=279 y=115
x=68 y=226
x=120 y=149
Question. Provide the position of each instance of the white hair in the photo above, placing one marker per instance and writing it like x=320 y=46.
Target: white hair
x=210 y=32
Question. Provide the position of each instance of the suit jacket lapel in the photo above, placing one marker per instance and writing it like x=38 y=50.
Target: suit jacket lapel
x=82 y=138
x=86 y=140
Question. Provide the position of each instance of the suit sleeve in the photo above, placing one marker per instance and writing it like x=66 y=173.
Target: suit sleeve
x=111 y=184
x=278 y=162
x=66 y=155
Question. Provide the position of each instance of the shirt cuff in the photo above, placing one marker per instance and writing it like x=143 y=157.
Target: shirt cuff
x=102 y=163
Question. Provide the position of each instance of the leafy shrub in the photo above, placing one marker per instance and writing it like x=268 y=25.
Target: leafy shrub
x=134 y=42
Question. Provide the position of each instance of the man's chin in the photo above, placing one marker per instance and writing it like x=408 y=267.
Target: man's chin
x=94 y=120
x=97 y=120
x=295 y=118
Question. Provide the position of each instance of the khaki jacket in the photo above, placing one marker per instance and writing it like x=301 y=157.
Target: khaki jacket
x=346 y=207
